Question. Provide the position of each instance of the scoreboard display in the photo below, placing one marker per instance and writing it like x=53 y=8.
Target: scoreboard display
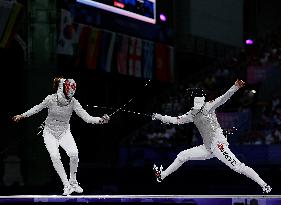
x=144 y=10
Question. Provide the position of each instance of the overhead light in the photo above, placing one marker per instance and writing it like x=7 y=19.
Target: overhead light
x=163 y=17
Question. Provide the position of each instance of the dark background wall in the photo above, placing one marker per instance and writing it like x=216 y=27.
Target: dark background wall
x=117 y=158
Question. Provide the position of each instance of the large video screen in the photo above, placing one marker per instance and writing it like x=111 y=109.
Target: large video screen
x=144 y=10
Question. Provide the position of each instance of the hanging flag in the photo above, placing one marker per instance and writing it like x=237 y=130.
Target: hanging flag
x=68 y=35
x=122 y=46
x=135 y=55
x=76 y=37
x=106 y=50
x=147 y=59
x=164 y=62
x=80 y=55
x=93 y=48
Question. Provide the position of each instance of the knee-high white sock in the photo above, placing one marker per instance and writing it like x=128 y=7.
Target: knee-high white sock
x=60 y=170
x=249 y=172
x=173 y=167
x=73 y=167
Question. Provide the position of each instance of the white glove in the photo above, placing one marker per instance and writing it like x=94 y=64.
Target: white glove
x=104 y=119
x=156 y=116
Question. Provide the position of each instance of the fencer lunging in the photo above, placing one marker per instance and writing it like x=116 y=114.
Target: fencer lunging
x=57 y=129
x=214 y=142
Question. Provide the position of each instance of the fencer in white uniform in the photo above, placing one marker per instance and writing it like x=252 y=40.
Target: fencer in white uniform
x=57 y=129
x=214 y=142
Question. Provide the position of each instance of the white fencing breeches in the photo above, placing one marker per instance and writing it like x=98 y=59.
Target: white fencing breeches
x=223 y=153
x=220 y=151
x=195 y=153
x=66 y=141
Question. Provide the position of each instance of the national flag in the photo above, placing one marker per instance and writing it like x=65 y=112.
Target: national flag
x=135 y=55
x=76 y=37
x=93 y=48
x=80 y=55
x=106 y=50
x=164 y=62
x=122 y=46
x=67 y=34
x=148 y=59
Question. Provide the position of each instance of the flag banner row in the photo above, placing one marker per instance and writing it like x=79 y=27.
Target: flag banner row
x=98 y=49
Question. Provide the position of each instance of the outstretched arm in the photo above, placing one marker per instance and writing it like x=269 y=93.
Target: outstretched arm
x=222 y=99
x=79 y=110
x=34 y=110
x=186 y=118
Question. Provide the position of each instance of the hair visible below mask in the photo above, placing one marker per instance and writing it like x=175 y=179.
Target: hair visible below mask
x=69 y=87
x=56 y=83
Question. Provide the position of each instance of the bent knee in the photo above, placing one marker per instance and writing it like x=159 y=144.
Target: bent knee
x=183 y=156
x=74 y=157
x=73 y=154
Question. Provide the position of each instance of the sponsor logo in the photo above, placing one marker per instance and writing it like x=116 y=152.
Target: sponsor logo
x=119 y=4
x=226 y=154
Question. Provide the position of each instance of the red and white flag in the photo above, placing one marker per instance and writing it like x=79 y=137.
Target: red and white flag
x=135 y=57
x=122 y=43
